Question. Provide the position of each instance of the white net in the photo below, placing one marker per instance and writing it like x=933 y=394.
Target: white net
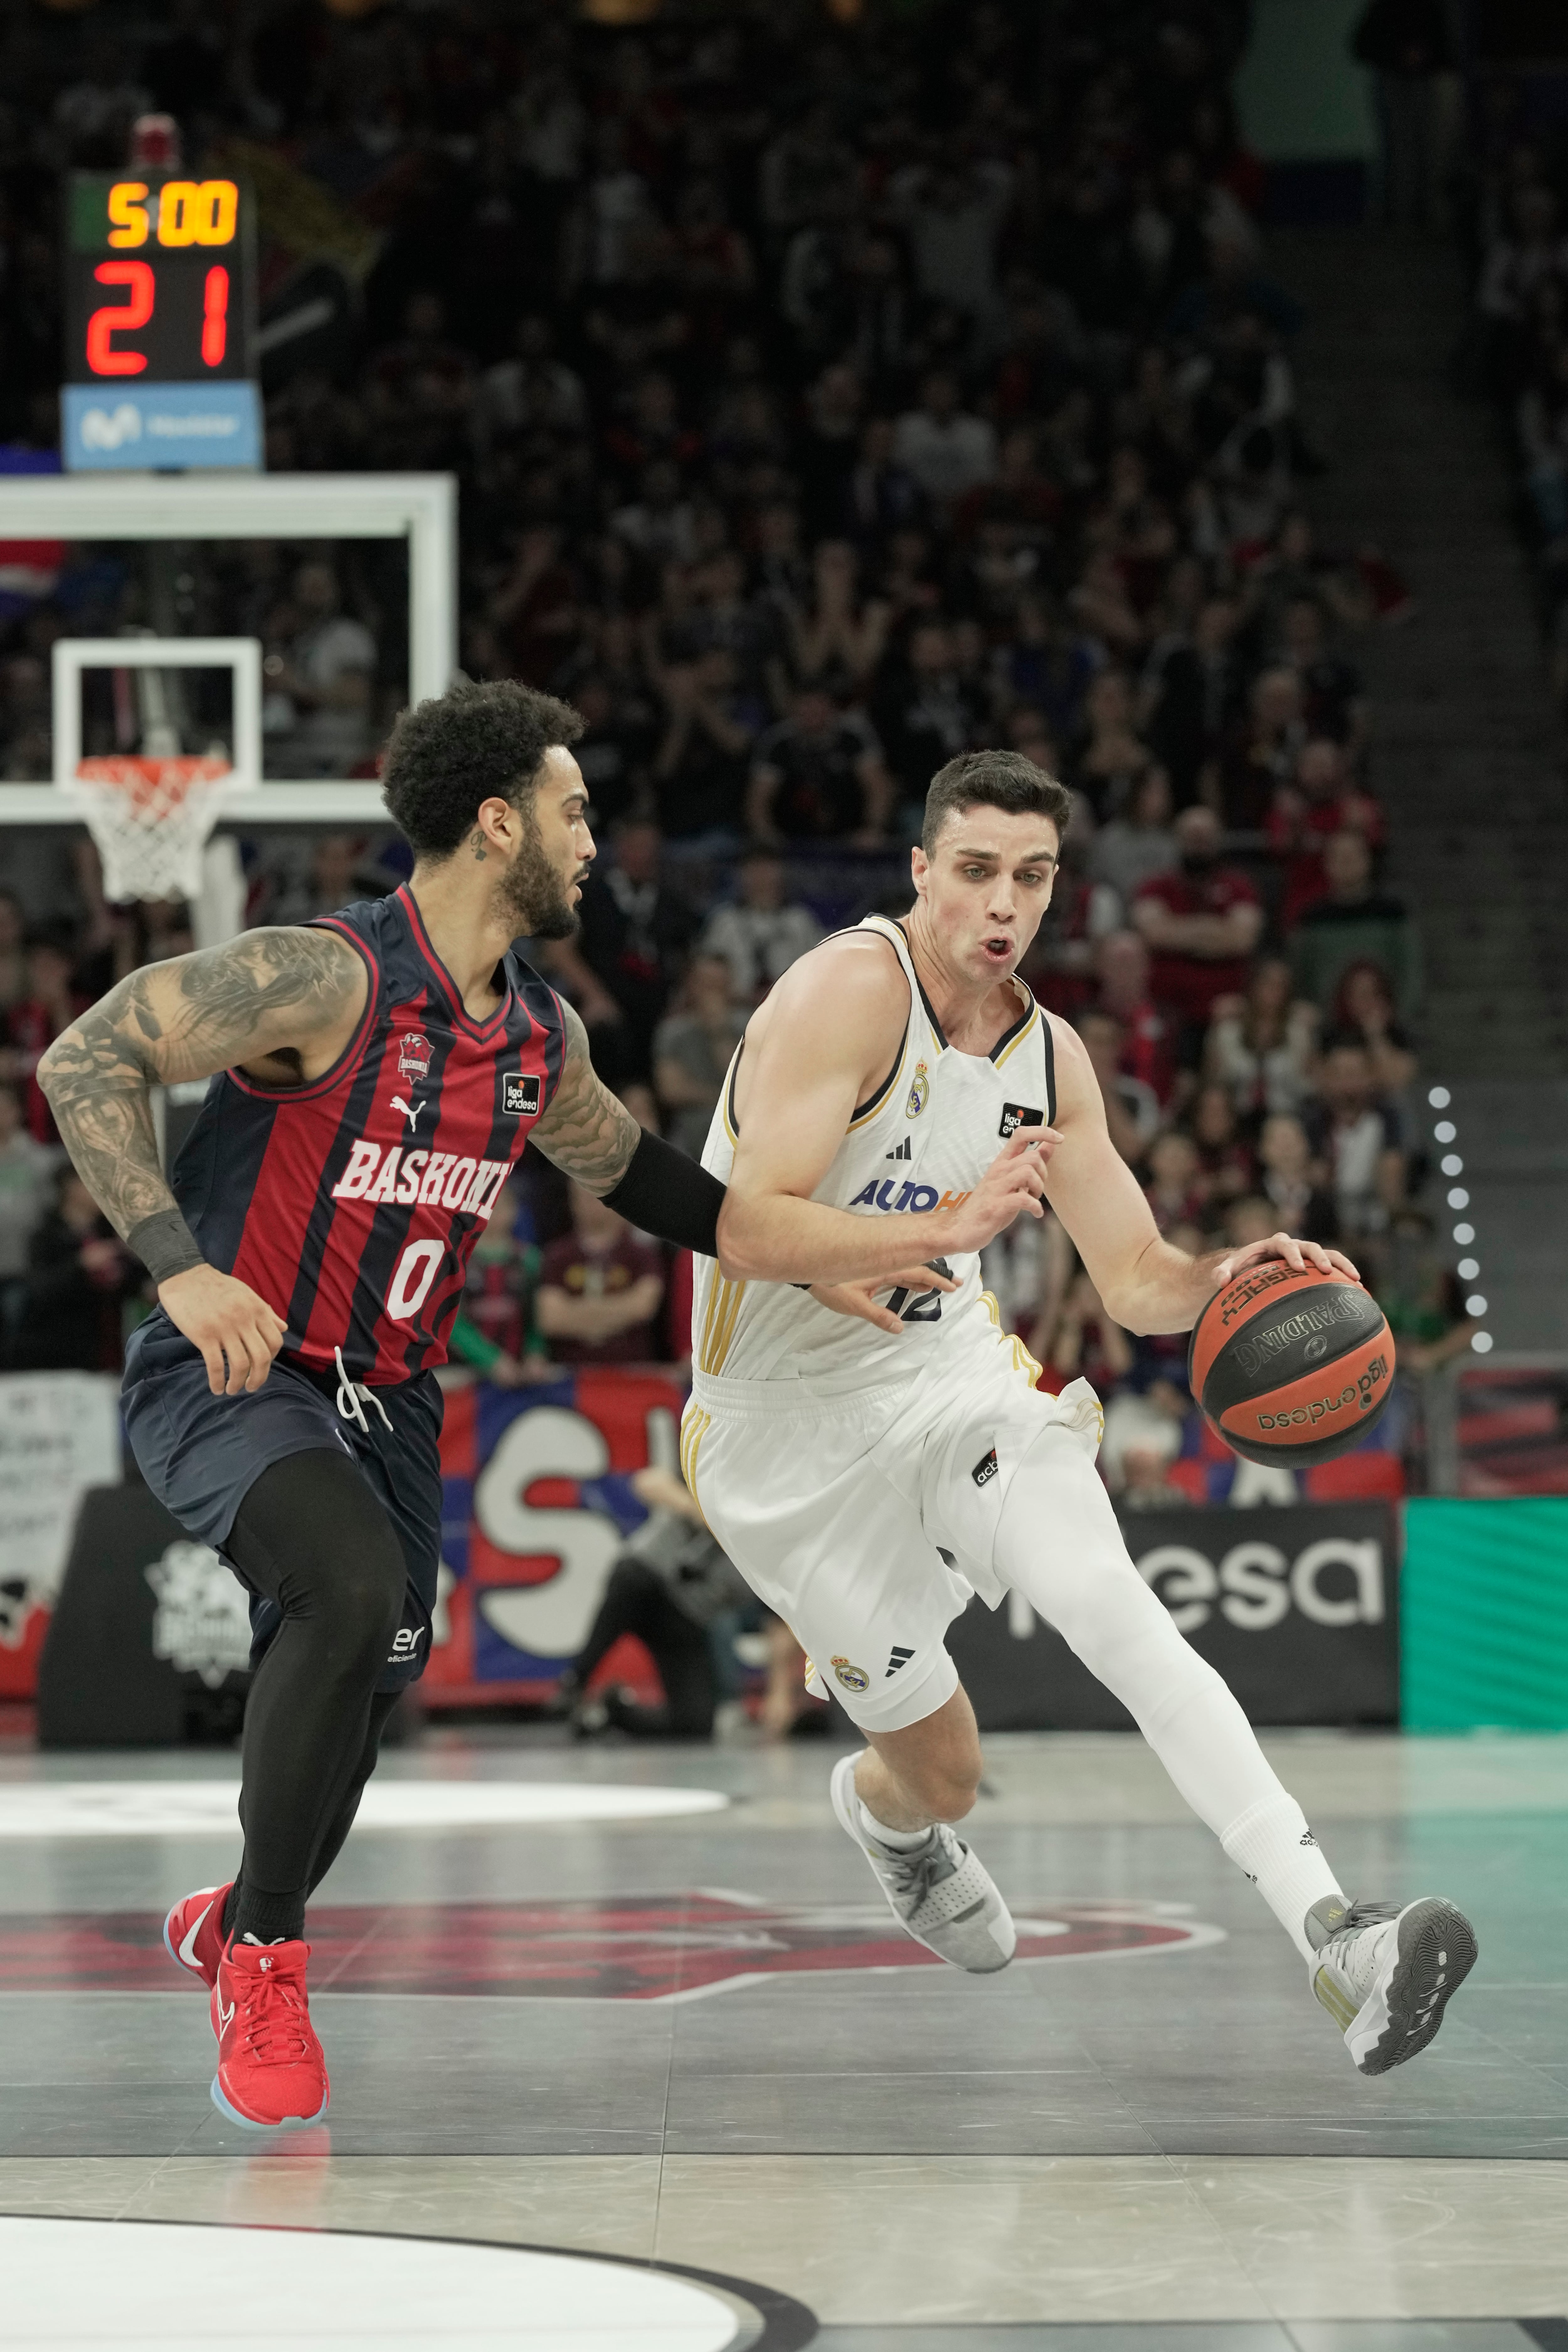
x=151 y=818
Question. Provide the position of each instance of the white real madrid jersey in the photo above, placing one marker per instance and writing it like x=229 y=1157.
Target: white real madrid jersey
x=922 y=1141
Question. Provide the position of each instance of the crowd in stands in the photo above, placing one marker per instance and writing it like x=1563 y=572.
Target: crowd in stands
x=830 y=393
x=1520 y=240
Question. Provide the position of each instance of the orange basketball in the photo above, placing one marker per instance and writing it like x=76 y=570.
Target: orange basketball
x=1292 y=1367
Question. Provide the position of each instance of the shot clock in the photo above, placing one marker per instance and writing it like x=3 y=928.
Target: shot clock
x=160 y=322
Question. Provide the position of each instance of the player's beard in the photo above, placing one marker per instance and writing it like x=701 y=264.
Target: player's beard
x=531 y=893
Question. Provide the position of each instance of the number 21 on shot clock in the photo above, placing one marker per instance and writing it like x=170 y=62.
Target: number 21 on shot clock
x=160 y=280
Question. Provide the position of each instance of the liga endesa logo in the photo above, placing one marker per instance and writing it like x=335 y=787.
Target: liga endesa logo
x=659 y=1949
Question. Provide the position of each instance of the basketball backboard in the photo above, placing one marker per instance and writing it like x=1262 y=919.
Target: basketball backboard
x=419 y=509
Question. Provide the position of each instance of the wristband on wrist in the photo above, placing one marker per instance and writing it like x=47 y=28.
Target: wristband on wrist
x=165 y=1244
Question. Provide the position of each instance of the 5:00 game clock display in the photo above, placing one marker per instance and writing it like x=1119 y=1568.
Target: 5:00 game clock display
x=159 y=277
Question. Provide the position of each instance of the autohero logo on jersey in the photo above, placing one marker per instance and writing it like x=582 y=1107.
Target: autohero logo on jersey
x=431 y=1179
x=521 y=1094
x=890 y=1196
x=1017 y=1115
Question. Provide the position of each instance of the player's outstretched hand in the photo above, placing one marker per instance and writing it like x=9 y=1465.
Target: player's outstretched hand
x=859 y=1298
x=237 y=1333
x=1298 y=1256
x=1014 y=1182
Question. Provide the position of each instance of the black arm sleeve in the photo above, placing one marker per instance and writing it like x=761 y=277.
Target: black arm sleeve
x=668 y=1194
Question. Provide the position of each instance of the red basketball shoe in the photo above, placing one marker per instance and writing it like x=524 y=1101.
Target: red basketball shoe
x=271 y=2071
x=194 y=1933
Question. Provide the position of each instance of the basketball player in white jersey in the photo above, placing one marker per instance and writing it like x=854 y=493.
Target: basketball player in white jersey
x=897 y=1102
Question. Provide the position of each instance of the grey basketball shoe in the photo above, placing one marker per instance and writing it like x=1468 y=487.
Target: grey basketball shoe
x=941 y=1893
x=1385 y=1975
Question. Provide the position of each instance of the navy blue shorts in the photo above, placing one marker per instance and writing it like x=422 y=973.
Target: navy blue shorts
x=201 y=1453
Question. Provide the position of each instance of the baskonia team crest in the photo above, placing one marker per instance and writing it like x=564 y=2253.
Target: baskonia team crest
x=919 y=1092
x=413 y=1054
x=853 y=1677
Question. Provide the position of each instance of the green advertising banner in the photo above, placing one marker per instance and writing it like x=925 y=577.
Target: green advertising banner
x=1484 y=1615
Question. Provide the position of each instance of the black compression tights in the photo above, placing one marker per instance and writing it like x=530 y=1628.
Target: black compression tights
x=312 y=1537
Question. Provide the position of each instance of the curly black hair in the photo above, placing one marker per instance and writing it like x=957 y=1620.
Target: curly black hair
x=473 y=743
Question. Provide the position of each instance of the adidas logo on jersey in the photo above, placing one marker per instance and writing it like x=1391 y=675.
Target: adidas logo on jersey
x=432 y=1179
x=904 y=1151
x=897 y=1658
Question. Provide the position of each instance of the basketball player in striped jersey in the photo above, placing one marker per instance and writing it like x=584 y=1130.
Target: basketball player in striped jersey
x=375 y=1077
x=897 y=1102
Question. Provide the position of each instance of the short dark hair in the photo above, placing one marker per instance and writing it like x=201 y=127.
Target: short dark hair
x=1004 y=780
x=473 y=743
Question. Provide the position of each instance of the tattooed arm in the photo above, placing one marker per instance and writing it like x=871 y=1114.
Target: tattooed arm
x=585 y=1131
x=284 y=1003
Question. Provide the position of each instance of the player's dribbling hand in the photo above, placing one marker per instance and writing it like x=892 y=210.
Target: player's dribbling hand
x=1013 y=1182
x=237 y=1333
x=1298 y=1255
x=859 y=1298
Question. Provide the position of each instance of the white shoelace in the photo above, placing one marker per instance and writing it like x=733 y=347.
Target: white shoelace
x=354 y=1396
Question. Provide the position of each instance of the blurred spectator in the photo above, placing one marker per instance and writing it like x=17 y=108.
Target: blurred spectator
x=1292 y=1190
x=1331 y=687
x=1140 y=842
x=669 y=1586
x=1319 y=802
x=601 y=1288
x=1132 y=1106
x=1363 y=1008
x=1354 y=922
x=948 y=449
x=1409 y=45
x=701 y=766
x=819 y=775
x=50 y=1005
x=1262 y=1051
x=1085 y=1344
x=693 y=1047
x=1226 y=1164
x=1113 y=760
x=80 y=1274
x=1142 y=1438
x=26 y=1167
x=13 y=956
x=1201 y=924
x=923 y=716
x=1262 y=754
x=317 y=710
x=1191 y=694
x=636 y=929
x=1355 y=1134
x=760 y=934
x=1420 y=1294
x=312 y=875
x=1147 y=1055
x=498 y=1298
x=1176 y=1191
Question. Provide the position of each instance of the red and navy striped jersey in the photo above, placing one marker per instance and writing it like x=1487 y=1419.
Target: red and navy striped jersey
x=352 y=1204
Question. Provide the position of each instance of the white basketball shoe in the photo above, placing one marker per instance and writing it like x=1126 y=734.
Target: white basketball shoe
x=1385 y=1974
x=940 y=1891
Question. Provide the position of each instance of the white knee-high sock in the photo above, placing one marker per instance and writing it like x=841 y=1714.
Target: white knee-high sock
x=1059 y=1543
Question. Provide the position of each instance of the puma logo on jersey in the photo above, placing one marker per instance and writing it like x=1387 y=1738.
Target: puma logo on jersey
x=432 y=1179
x=410 y=1111
x=904 y=1151
x=1017 y=1115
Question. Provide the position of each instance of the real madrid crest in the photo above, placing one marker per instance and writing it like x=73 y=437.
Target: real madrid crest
x=853 y=1677
x=919 y=1092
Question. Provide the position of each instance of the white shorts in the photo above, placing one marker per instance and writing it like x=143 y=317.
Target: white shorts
x=866 y=1517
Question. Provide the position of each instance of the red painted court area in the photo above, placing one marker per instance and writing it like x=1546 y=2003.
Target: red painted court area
x=657 y=1947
